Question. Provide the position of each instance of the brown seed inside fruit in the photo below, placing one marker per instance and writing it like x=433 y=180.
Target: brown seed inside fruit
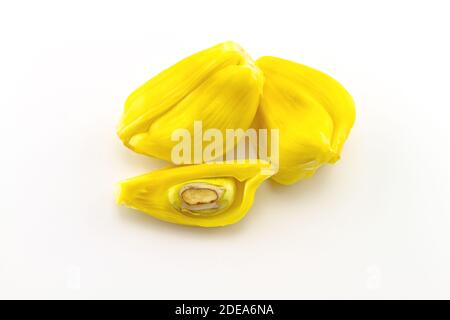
x=199 y=196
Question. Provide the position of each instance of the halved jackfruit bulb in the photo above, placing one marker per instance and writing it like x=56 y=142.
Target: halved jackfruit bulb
x=220 y=86
x=313 y=112
x=206 y=195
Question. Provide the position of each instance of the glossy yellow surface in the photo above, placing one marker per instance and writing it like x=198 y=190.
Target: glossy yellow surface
x=219 y=86
x=156 y=193
x=225 y=89
x=313 y=112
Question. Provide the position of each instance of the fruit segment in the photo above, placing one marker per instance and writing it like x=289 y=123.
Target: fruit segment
x=305 y=117
x=313 y=112
x=206 y=195
x=220 y=86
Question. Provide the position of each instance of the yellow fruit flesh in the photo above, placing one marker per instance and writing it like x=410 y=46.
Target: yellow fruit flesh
x=225 y=89
x=313 y=112
x=227 y=100
x=220 y=86
x=320 y=87
x=156 y=193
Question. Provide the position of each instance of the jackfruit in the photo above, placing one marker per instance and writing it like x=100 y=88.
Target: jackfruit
x=313 y=112
x=220 y=86
x=206 y=195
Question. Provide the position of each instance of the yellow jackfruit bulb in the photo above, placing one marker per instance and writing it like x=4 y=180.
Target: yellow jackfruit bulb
x=220 y=86
x=206 y=195
x=313 y=112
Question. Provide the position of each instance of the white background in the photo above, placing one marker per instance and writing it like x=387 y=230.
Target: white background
x=375 y=225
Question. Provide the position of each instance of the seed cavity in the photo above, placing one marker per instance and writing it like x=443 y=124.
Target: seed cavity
x=203 y=197
x=200 y=196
